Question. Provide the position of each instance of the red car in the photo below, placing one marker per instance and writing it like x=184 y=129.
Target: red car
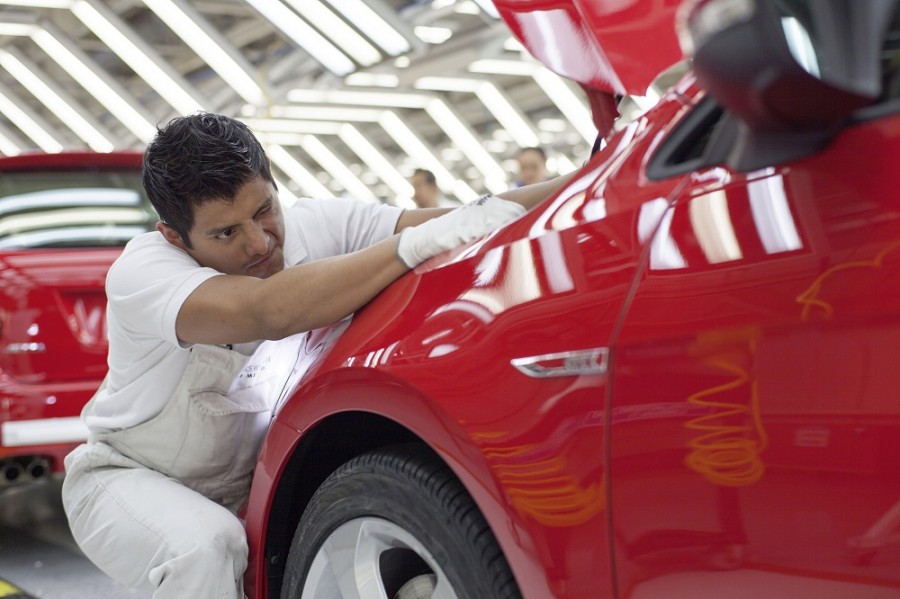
x=675 y=378
x=64 y=218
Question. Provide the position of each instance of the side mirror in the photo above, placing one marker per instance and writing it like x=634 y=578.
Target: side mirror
x=789 y=71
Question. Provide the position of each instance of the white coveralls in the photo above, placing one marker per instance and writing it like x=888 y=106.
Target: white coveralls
x=138 y=497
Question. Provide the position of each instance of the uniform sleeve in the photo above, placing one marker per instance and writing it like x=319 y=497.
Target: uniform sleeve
x=147 y=286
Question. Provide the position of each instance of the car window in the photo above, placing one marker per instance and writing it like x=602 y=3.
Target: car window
x=79 y=209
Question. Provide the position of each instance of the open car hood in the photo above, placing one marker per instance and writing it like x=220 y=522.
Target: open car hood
x=616 y=46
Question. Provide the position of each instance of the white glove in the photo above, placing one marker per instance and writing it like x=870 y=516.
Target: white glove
x=462 y=225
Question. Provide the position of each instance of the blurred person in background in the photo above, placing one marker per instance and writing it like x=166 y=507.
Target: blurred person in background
x=426 y=193
x=532 y=166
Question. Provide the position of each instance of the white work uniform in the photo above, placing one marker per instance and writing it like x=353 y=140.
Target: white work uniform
x=137 y=494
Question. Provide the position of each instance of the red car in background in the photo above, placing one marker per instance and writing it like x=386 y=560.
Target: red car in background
x=64 y=218
x=675 y=378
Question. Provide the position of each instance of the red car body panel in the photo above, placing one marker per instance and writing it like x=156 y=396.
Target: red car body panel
x=606 y=45
x=53 y=298
x=755 y=385
x=745 y=438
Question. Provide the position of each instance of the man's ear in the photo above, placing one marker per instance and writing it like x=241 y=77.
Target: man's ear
x=171 y=235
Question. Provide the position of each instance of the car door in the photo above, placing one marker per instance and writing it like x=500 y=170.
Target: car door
x=755 y=417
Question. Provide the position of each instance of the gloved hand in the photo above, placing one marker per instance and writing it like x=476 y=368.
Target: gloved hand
x=455 y=228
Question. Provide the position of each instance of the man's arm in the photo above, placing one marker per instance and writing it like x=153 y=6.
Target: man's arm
x=238 y=309
x=528 y=196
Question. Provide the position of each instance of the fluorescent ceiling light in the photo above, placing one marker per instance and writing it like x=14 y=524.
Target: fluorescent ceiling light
x=29 y=123
x=95 y=82
x=513 y=45
x=39 y=3
x=449 y=84
x=293 y=126
x=507 y=114
x=337 y=169
x=372 y=25
x=383 y=167
x=423 y=156
x=16 y=29
x=326 y=113
x=210 y=45
x=499 y=66
x=552 y=125
x=488 y=7
x=304 y=36
x=433 y=35
x=8 y=147
x=386 y=99
x=553 y=86
x=338 y=30
x=567 y=102
x=372 y=79
x=39 y=85
x=137 y=55
x=466 y=7
x=297 y=172
x=510 y=117
x=494 y=175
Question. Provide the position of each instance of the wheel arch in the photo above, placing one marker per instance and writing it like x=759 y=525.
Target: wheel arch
x=349 y=434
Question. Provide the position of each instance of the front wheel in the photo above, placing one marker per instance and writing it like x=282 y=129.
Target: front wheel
x=395 y=524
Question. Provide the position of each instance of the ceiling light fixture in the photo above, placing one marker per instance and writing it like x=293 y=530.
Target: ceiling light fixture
x=424 y=157
x=9 y=146
x=297 y=172
x=433 y=35
x=293 y=126
x=209 y=45
x=500 y=66
x=373 y=79
x=338 y=30
x=499 y=105
x=304 y=36
x=95 y=81
x=456 y=130
x=326 y=113
x=373 y=25
x=360 y=98
x=377 y=161
x=28 y=122
x=40 y=85
x=336 y=168
x=567 y=102
x=113 y=32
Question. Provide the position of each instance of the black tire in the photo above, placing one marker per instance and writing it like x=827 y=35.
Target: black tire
x=404 y=498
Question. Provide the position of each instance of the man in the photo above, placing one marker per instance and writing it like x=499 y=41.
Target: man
x=532 y=166
x=425 y=190
x=176 y=426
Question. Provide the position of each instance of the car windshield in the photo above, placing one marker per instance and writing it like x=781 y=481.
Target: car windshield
x=72 y=209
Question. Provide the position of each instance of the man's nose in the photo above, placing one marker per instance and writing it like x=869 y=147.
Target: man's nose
x=258 y=242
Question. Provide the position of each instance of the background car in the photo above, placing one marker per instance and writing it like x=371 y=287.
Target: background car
x=674 y=378
x=64 y=218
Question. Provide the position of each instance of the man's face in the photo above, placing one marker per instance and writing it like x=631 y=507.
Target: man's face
x=243 y=237
x=531 y=168
x=424 y=193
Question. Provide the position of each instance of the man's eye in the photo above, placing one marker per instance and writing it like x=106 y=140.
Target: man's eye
x=225 y=234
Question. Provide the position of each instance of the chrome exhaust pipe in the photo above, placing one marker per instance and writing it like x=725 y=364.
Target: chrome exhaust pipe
x=10 y=472
x=38 y=468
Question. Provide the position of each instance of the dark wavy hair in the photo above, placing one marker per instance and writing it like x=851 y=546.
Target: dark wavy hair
x=196 y=159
